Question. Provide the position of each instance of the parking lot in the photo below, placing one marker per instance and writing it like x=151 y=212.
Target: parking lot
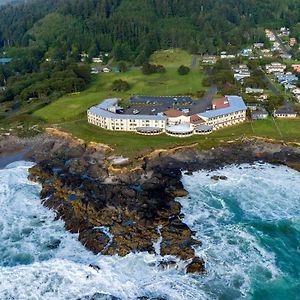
x=153 y=105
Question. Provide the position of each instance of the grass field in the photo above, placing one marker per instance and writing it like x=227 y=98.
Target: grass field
x=171 y=58
x=131 y=144
x=170 y=83
x=69 y=112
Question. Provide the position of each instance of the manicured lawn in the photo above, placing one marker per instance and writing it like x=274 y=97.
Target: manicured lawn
x=69 y=112
x=131 y=144
x=170 y=83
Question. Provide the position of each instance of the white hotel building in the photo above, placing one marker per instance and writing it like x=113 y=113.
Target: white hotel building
x=226 y=111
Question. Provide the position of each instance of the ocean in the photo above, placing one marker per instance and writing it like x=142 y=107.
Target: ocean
x=249 y=226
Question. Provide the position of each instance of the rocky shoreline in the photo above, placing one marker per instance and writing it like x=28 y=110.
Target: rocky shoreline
x=118 y=210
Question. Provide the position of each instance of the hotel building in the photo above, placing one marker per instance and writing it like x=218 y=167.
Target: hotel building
x=226 y=111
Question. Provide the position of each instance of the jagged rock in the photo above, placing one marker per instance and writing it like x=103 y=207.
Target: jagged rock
x=99 y=296
x=93 y=239
x=95 y=267
x=180 y=193
x=216 y=177
x=196 y=266
x=77 y=185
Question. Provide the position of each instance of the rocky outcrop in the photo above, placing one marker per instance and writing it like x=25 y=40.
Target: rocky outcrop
x=196 y=266
x=114 y=213
x=119 y=211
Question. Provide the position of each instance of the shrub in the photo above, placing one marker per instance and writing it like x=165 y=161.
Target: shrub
x=120 y=85
x=183 y=70
x=148 y=69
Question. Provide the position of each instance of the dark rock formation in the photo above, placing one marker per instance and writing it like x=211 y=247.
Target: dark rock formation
x=217 y=178
x=118 y=212
x=196 y=266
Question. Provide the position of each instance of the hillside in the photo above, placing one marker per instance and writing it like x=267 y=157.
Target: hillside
x=134 y=29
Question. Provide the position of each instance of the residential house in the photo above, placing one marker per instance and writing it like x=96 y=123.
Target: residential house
x=258 y=45
x=285 y=112
x=275 y=67
x=5 y=60
x=259 y=114
x=250 y=90
x=246 y=52
x=97 y=60
x=241 y=72
x=95 y=70
x=296 y=68
x=262 y=98
x=287 y=78
x=209 y=59
x=106 y=70
x=285 y=56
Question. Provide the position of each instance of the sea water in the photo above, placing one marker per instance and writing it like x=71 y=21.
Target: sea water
x=249 y=226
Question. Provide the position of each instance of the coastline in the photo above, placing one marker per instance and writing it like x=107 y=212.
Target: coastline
x=136 y=207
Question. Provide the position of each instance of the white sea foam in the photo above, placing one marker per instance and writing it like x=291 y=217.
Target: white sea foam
x=40 y=260
x=222 y=212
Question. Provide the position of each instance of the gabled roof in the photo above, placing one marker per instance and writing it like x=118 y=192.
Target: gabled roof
x=195 y=119
x=285 y=110
x=220 y=103
x=173 y=113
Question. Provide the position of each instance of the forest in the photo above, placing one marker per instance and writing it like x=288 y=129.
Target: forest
x=134 y=29
x=60 y=30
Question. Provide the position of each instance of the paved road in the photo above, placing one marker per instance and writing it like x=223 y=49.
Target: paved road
x=283 y=46
x=204 y=103
x=194 y=62
x=270 y=84
x=275 y=90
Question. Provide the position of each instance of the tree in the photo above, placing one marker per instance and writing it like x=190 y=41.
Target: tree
x=122 y=67
x=183 y=70
x=148 y=69
x=120 y=86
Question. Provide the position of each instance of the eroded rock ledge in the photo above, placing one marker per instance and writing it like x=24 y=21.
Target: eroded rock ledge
x=118 y=212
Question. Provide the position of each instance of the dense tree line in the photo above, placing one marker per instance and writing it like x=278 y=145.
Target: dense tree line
x=53 y=80
x=134 y=29
x=59 y=30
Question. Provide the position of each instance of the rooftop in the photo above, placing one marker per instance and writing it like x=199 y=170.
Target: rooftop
x=5 y=60
x=220 y=103
x=285 y=110
x=161 y=99
x=181 y=128
x=195 y=119
x=173 y=113
x=102 y=110
x=236 y=104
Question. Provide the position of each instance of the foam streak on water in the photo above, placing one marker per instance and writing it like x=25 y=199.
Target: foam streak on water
x=249 y=226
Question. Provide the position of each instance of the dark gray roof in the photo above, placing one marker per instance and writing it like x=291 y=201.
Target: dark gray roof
x=285 y=110
x=161 y=99
x=149 y=129
x=204 y=128
x=101 y=110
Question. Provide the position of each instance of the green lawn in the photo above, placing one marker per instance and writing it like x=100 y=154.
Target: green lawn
x=170 y=83
x=131 y=144
x=171 y=58
x=69 y=112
